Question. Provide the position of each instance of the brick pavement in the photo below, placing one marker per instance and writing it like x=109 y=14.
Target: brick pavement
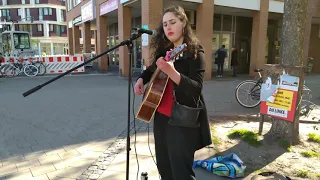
x=72 y=127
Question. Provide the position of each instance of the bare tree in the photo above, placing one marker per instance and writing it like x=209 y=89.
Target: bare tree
x=294 y=31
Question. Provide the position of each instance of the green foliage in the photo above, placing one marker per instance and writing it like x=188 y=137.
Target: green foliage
x=314 y=137
x=248 y=136
x=302 y=174
x=310 y=154
x=215 y=140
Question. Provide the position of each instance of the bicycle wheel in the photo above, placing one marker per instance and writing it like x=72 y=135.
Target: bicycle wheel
x=30 y=70
x=41 y=68
x=248 y=91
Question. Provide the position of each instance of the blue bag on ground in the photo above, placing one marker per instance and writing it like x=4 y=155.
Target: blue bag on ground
x=227 y=166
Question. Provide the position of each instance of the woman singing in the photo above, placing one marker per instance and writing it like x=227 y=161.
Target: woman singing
x=175 y=145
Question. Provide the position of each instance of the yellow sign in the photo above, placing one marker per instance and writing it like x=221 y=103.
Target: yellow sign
x=283 y=100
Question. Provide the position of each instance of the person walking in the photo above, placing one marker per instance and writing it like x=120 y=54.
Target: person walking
x=221 y=54
x=234 y=61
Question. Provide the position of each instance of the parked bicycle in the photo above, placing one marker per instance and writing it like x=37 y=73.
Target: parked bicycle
x=248 y=94
x=19 y=67
x=251 y=91
x=42 y=68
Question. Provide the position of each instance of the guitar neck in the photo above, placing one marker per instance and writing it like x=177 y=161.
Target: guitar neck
x=154 y=75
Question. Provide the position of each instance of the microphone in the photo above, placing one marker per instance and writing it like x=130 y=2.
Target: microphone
x=146 y=31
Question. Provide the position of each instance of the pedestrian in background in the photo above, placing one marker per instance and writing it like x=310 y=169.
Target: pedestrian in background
x=234 y=61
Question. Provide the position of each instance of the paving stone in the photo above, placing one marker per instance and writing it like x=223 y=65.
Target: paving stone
x=94 y=176
x=98 y=172
x=82 y=177
x=103 y=167
x=93 y=168
x=36 y=171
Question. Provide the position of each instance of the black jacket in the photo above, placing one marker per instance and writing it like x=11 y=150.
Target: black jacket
x=191 y=84
x=234 y=58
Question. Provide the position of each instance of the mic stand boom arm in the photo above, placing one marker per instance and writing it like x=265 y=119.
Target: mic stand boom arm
x=125 y=42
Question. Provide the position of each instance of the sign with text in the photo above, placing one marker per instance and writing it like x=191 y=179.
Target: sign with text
x=145 y=37
x=280 y=100
x=108 y=6
x=88 y=11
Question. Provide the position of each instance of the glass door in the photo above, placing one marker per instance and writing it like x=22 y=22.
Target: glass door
x=219 y=39
x=215 y=47
x=226 y=40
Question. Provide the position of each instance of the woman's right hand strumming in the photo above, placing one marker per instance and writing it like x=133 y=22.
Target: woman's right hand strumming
x=139 y=87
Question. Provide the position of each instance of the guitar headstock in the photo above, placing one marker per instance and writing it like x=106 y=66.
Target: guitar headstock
x=177 y=51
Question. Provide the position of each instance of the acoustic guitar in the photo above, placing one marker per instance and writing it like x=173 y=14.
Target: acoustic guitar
x=155 y=89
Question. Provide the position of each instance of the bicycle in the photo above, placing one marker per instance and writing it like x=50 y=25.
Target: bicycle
x=16 y=68
x=253 y=93
x=42 y=68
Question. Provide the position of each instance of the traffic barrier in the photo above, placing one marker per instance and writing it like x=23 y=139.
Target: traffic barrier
x=61 y=64
x=54 y=64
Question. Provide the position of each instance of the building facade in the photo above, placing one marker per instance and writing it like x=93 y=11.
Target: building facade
x=253 y=26
x=48 y=29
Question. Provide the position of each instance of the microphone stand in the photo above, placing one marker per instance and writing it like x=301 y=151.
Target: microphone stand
x=129 y=44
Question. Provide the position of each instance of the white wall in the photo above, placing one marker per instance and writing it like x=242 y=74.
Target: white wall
x=243 y=4
x=274 y=6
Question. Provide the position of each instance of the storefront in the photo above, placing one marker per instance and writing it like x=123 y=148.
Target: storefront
x=109 y=11
x=253 y=27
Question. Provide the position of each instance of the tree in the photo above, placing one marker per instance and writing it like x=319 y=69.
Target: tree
x=294 y=31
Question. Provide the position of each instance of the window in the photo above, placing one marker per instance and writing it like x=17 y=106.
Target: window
x=37 y=1
x=76 y=2
x=69 y=5
x=21 y=40
x=51 y=27
x=39 y=27
x=62 y=15
x=24 y=27
x=19 y=12
x=27 y=12
x=40 y=14
x=23 y=1
x=45 y=11
x=6 y=43
x=58 y=30
x=5 y=12
x=63 y=29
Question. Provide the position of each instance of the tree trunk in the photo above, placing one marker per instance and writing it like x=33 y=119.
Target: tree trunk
x=291 y=56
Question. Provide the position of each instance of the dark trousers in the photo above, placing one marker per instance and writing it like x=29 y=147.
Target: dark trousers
x=220 y=69
x=175 y=148
x=235 y=70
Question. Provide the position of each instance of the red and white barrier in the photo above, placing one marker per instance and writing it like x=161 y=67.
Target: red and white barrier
x=54 y=64
x=61 y=64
